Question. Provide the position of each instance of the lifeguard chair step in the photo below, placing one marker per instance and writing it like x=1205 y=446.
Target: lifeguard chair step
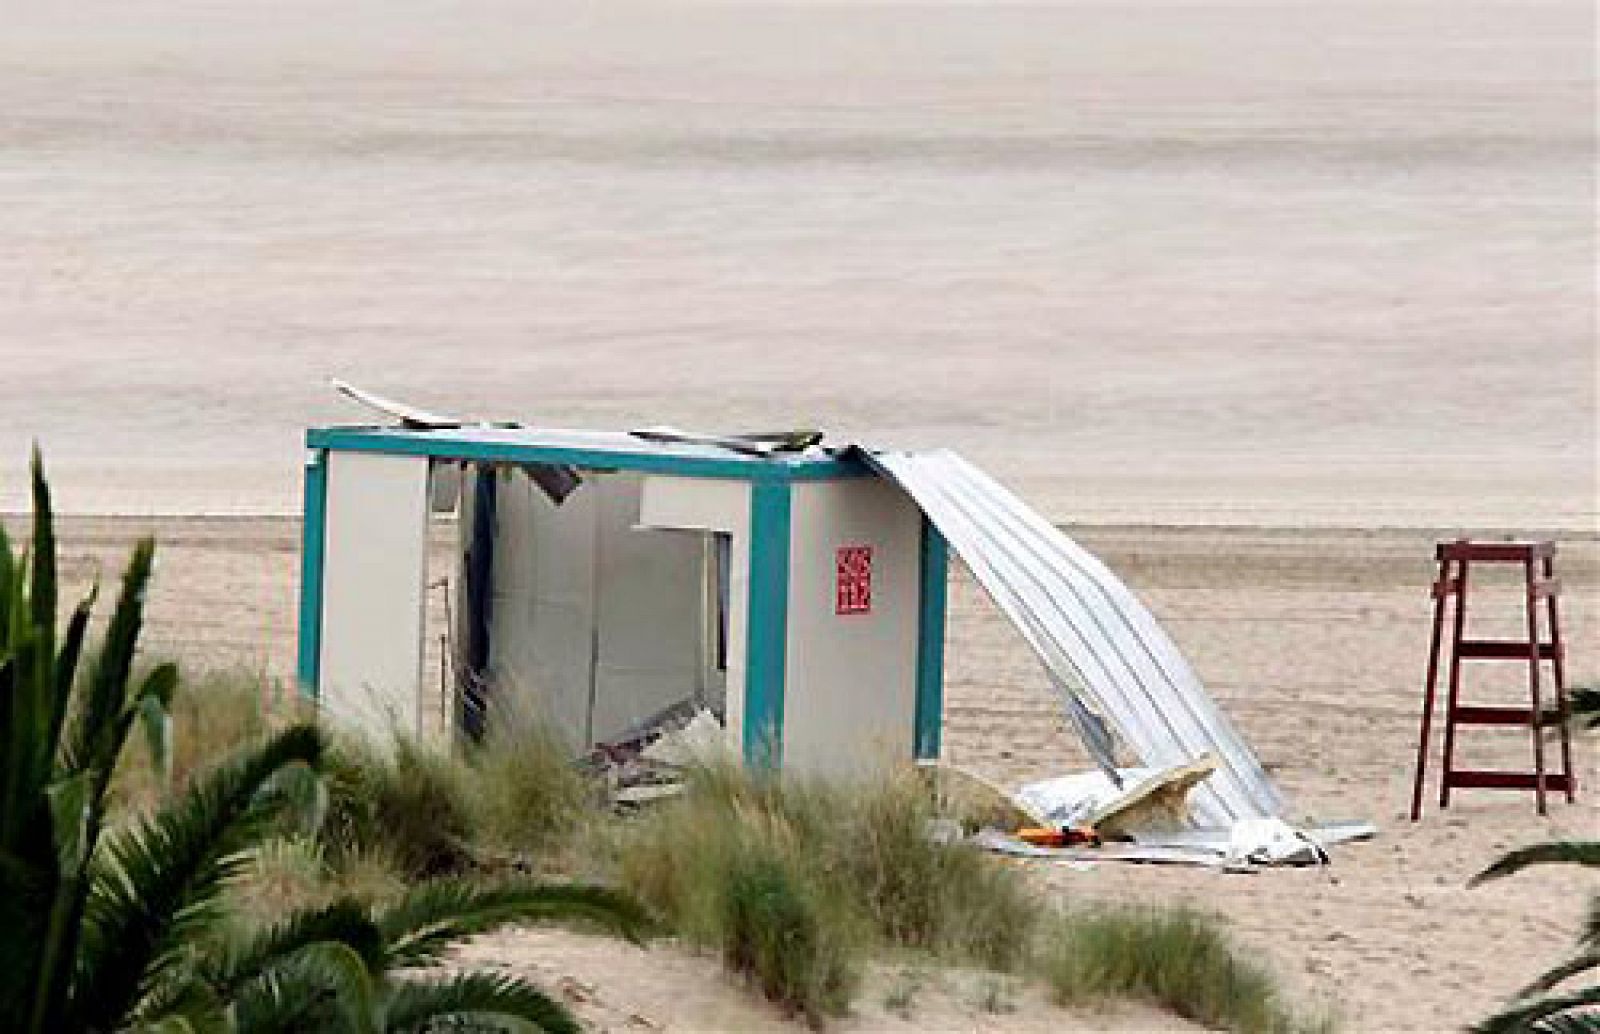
x=1503 y=650
x=1504 y=716
x=1506 y=780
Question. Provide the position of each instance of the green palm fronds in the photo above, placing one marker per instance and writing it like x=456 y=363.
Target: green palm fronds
x=430 y=918
x=475 y=1002
x=245 y=958
x=1587 y=957
x=123 y=928
x=1585 y=705
x=1550 y=1014
x=53 y=782
x=1542 y=1007
x=157 y=886
x=1550 y=978
x=1554 y=852
x=322 y=986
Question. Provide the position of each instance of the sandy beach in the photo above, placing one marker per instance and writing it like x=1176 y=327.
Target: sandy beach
x=1313 y=641
x=1259 y=298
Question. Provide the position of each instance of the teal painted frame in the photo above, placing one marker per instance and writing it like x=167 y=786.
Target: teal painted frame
x=458 y=444
x=934 y=574
x=767 y=624
x=312 y=546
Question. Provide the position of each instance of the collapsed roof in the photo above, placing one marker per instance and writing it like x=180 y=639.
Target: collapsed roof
x=1103 y=649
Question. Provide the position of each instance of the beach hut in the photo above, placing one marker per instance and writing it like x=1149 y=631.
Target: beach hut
x=608 y=579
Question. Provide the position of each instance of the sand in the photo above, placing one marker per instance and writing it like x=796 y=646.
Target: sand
x=617 y=988
x=1264 y=296
x=1313 y=641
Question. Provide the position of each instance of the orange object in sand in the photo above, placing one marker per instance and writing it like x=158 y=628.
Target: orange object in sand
x=1044 y=836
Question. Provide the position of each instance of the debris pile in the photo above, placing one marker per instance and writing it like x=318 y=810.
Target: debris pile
x=1088 y=817
x=1138 y=815
x=648 y=763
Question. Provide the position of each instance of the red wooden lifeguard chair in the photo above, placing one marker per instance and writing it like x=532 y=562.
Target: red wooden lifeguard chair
x=1538 y=563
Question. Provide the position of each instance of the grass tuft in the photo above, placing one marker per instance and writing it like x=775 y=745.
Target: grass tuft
x=779 y=929
x=527 y=796
x=727 y=866
x=212 y=713
x=284 y=874
x=996 y=994
x=1177 y=958
x=409 y=804
x=949 y=900
x=509 y=800
x=855 y=858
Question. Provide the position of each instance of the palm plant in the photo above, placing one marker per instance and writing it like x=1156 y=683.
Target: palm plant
x=1549 y=1005
x=112 y=925
x=350 y=967
x=62 y=738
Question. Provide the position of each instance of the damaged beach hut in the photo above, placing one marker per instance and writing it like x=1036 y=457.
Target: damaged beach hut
x=796 y=591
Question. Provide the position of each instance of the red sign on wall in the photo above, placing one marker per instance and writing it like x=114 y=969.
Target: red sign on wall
x=853 y=582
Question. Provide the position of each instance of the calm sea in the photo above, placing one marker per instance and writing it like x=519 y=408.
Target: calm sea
x=1316 y=262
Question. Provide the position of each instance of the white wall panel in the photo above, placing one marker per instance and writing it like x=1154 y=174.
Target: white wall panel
x=598 y=622
x=544 y=605
x=850 y=687
x=373 y=578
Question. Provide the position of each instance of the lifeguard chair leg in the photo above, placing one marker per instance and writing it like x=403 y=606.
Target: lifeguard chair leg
x=1536 y=715
x=1441 y=592
x=1452 y=698
x=1558 y=667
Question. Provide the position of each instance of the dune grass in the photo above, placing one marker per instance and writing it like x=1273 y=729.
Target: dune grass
x=842 y=872
x=404 y=801
x=726 y=866
x=1177 y=958
x=795 y=884
x=212 y=712
x=529 y=800
x=283 y=873
x=396 y=812
x=948 y=900
x=512 y=801
x=780 y=925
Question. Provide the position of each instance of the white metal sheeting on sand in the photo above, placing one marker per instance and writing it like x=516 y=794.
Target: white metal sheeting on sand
x=1094 y=637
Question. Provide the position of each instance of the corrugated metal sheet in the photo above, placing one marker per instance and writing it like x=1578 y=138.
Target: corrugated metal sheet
x=1100 y=645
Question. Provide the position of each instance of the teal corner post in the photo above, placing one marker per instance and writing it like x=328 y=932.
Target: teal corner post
x=934 y=569
x=312 y=544
x=768 y=625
